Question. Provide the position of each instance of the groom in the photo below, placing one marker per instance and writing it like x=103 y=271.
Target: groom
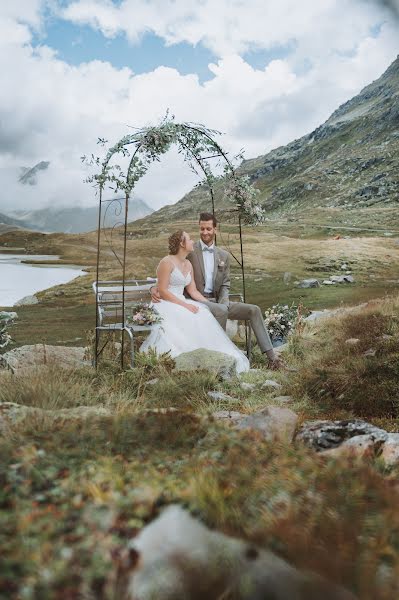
x=211 y=268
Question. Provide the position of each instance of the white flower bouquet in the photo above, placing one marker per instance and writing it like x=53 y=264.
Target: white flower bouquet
x=6 y=319
x=280 y=320
x=143 y=314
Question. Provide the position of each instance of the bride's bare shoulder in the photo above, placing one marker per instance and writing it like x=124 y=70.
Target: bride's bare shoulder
x=165 y=262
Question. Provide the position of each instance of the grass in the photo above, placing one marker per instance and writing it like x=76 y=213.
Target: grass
x=74 y=490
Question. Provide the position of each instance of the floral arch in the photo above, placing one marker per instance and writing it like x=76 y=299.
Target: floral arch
x=140 y=149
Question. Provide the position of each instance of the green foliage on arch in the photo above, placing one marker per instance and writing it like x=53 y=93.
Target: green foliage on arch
x=198 y=147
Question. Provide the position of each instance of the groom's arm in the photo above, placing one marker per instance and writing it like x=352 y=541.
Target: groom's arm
x=224 y=290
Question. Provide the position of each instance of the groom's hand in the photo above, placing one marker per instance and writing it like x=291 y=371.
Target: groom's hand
x=155 y=296
x=192 y=308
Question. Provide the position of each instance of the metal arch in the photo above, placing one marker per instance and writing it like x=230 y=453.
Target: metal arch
x=130 y=140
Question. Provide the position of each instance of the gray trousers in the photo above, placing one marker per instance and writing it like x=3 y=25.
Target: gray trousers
x=238 y=311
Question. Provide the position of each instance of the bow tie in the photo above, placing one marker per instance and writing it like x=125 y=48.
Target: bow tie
x=206 y=249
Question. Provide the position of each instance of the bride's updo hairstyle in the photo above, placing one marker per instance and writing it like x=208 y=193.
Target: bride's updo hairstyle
x=175 y=240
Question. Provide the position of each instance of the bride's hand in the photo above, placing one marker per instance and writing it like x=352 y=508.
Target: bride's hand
x=192 y=308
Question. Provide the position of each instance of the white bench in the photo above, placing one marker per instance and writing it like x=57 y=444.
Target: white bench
x=111 y=296
x=109 y=300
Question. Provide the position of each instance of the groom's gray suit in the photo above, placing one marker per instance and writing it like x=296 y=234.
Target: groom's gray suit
x=218 y=302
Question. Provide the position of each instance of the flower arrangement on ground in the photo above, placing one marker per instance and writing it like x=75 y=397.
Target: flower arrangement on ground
x=144 y=315
x=282 y=319
x=6 y=319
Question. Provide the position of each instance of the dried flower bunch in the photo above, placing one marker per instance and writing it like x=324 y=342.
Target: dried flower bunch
x=6 y=319
x=280 y=320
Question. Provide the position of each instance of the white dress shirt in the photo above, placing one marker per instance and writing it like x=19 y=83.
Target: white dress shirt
x=209 y=265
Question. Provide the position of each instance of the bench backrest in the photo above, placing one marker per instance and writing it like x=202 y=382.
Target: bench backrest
x=110 y=297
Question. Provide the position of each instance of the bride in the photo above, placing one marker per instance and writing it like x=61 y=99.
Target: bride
x=186 y=324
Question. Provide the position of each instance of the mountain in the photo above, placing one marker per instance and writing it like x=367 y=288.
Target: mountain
x=347 y=169
x=29 y=175
x=75 y=219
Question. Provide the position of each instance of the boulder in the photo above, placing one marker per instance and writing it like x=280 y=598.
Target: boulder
x=39 y=355
x=27 y=301
x=274 y=422
x=390 y=450
x=358 y=445
x=176 y=556
x=322 y=435
x=309 y=283
x=219 y=363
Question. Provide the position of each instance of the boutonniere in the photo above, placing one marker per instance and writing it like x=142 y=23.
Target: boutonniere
x=221 y=263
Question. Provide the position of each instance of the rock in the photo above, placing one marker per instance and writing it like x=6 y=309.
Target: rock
x=321 y=435
x=390 y=450
x=287 y=277
x=342 y=279
x=27 y=301
x=352 y=341
x=328 y=282
x=247 y=387
x=274 y=422
x=270 y=383
x=11 y=414
x=176 y=556
x=231 y=328
x=370 y=352
x=220 y=396
x=39 y=355
x=219 y=363
x=153 y=381
x=309 y=283
x=358 y=445
x=231 y=416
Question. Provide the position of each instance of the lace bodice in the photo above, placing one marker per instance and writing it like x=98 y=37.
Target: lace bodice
x=178 y=281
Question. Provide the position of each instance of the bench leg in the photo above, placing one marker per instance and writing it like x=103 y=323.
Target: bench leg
x=249 y=340
x=130 y=334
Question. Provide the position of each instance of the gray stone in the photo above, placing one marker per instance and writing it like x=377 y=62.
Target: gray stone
x=270 y=383
x=221 y=364
x=231 y=328
x=309 y=283
x=321 y=435
x=247 y=387
x=231 y=416
x=287 y=277
x=352 y=341
x=152 y=381
x=390 y=450
x=358 y=445
x=41 y=355
x=274 y=422
x=27 y=301
x=177 y=556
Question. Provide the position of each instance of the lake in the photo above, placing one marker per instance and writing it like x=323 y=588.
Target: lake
x=18 y=280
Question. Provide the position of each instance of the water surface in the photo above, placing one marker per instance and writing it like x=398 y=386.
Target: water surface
x=18 y=280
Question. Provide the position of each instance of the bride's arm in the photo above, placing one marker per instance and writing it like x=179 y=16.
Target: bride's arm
x=164 y=270
x=191 y=288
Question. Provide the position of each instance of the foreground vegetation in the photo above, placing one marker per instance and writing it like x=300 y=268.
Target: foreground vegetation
x=74 y=490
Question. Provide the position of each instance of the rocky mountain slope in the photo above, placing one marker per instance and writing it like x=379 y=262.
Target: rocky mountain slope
x=347 y=168
x=75 y=219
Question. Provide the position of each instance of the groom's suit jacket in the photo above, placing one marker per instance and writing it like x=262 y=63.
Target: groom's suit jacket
x=221 y=273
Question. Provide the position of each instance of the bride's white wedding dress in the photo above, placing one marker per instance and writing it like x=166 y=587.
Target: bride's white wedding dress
x=183 y=331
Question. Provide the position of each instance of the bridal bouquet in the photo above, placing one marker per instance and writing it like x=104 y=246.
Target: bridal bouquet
x=144 y=314
x=280 y=319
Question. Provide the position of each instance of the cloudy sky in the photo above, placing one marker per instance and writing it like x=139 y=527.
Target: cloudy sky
x=261 y=71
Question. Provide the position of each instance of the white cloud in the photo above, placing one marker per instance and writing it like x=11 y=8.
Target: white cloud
x=54 y=111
